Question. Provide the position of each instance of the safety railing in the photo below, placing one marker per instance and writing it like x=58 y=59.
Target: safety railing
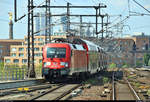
x=17 y=73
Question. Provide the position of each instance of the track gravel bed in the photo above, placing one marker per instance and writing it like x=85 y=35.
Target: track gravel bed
x=123 y=92
x=56 y=93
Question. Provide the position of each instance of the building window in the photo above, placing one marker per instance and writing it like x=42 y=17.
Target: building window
x=7 y=60
x=13 y=49
x=21 y=55
x=36 y=49
x=35 y=39
x=121 y=42
x=40 y=39
x=40 y=43
x=41 y=54
x=38 y=55
x=26 y=39
x=13 y=54
x=40 y=60
x=1 y=51
x=141 y=59
x=16 y=60
x=1 y=46
x=21 y=49
x=126 y=43
x=24 y=60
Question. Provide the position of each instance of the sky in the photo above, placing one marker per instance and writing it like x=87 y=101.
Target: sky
x=132 y=25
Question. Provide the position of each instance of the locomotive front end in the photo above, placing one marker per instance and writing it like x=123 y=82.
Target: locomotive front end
x=56 y=60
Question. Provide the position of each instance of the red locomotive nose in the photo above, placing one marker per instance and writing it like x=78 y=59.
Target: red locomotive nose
x=56 y=65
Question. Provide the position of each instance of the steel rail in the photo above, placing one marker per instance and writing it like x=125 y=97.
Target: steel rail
x=30 y=89
x=113 y=86
x=129 y=85
x=67 y=92
x=132 y=89
x=42 y=94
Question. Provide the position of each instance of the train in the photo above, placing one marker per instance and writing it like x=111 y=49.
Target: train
x=79 y=58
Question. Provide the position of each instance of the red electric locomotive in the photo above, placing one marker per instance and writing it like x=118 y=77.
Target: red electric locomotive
x=72 y=59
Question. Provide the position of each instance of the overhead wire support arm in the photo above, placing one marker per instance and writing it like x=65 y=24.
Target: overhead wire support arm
x=141 y=6
x=15 y=10
x=43 y=6
x=75 y=15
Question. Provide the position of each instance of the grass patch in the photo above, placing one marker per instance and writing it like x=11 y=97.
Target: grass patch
x=92 y=81
x=105 y=80
x=148 y=92
x=137 y=84
x=129 y=77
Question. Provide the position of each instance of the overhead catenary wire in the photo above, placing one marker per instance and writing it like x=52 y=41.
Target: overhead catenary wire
x=48 y=26
x=4 y=20
x=141 y=6
x=127 y=17
x=29 y=11
x=133 y=13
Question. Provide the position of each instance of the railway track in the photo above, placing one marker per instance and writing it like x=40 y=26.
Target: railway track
x=24 y=89
x=22 y=83
x=56 y=93
x=123 y=90
x=43 y=91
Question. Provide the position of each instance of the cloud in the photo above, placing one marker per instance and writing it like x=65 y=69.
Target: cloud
x=147 y=6
x=137 y=33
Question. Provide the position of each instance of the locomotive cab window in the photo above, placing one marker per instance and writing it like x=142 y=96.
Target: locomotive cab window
x=56 y=52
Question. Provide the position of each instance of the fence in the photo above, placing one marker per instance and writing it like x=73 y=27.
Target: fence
x=16 y=73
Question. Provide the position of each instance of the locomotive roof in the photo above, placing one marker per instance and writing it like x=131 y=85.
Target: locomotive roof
x=76 y=47
x=76 y=42
x=92 y=46
x=73 y=46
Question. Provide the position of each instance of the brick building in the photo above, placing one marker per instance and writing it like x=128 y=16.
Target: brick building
x=119 y=49
x=5 y=46
x=142 y=44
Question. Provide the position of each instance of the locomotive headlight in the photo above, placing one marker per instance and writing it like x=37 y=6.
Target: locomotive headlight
x=62 y=63
x=47 y=64
x=66 y=64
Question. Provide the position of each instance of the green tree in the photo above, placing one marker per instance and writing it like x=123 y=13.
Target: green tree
x=149 y=62
x=113 y=65
x=146 y=58
x=1 y=65
x=125 y=66
x=105 y=80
